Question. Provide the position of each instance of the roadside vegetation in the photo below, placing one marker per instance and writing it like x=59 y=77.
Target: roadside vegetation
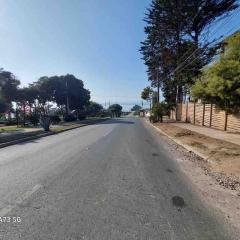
x=220 y=82
x=49 y=100
x=136 y=109
x=179 y=50
x=115 y=110
x=186 y=62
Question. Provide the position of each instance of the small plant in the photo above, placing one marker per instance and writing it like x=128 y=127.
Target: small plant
x=152 y=119
x=33 y=119
x=81 y=116
x=45 y=122
x=159 y=110
x=55 y=119
x=70 y=118
x=11 y=122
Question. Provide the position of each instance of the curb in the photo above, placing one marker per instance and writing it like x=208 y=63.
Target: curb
x=6 y=144
x=26 y=139
x=189 y=149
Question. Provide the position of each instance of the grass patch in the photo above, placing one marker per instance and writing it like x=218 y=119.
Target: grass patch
x=184 y=133
x=14 y=128
x=7 y=129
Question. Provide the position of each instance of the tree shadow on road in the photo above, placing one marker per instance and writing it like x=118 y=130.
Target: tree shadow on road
x=116 y=120
x=29 y=141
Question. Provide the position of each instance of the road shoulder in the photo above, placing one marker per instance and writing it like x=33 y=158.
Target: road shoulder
x=212 y=191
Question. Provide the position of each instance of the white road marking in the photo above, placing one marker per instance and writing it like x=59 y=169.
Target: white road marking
x=4 y=211
x=107 y=133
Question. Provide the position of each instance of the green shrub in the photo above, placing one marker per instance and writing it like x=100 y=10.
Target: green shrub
x=152 y=119
x=81 y=116
x=55 y=119
x=70 y=118
x=159 y=110
x=11 y=122
x=33 y=119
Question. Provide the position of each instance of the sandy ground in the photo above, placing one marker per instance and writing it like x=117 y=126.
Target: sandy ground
x=228 y=136
x=222 y=158
x=217 y=178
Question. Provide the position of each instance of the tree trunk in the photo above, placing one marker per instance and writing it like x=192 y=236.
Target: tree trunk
x=24 y=114
x=17 y=114
x=45 y=122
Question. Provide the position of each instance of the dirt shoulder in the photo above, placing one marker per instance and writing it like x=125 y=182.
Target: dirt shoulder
x=222 y=159
x=216 y=177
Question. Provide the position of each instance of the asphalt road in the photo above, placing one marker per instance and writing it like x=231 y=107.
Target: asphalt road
x=113 y=180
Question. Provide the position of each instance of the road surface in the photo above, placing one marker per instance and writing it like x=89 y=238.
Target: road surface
x=113 y=180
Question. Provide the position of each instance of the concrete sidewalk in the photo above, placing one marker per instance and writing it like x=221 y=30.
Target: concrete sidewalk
x=210 y=132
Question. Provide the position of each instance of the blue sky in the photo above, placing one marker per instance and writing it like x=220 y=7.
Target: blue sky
x=96 y=40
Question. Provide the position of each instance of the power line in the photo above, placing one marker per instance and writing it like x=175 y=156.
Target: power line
x=198 y=50
x=227 y=20
x=112 y=96
x=195 y=51
x=190 y=49
x=184 y=67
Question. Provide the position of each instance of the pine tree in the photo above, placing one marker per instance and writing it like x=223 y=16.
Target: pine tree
x=173 y=28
